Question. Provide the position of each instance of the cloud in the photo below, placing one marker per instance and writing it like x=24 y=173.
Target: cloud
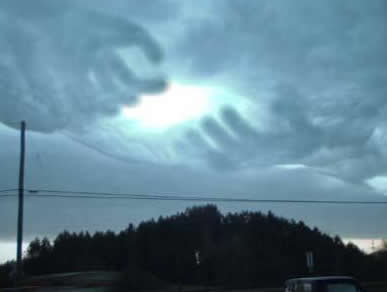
x=60 y=68
x=301 y=84
x=319 y=68
x=54 y=162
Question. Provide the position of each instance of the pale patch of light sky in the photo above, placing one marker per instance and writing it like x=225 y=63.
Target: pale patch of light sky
x=8 y=250
x=367 y=245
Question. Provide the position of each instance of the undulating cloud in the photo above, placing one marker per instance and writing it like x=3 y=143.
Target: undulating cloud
x=296 y=107
x=60 y=68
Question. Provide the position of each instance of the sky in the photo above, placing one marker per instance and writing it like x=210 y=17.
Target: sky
x=234 y=99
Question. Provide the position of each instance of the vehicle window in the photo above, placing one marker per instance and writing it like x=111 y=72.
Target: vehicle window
x=341 y=287
x=307 y=287
x=291 y=287
x=299 y=287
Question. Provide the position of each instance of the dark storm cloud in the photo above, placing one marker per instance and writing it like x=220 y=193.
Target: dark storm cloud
x=49 y=51
x=315 y=70
x=324 y=64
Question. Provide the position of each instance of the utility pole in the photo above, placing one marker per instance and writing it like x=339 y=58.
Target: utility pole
x=19 y=250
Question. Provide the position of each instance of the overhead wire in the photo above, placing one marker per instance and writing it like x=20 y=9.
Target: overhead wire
x=7 y=195
x=8 y=190
x=63 y=194
x=131 y=196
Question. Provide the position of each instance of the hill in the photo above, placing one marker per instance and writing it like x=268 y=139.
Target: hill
x=201 y=246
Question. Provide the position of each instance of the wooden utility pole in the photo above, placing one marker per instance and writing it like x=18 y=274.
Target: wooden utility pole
x=19 y=248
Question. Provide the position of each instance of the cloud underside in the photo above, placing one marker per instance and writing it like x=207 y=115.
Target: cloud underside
x=312 y=73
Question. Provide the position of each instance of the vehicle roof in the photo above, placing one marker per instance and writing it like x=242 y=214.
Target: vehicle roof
x=328 y=278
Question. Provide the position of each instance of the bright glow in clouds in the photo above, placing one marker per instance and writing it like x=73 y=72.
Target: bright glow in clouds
x=379 y=183
x=291 y=166
x=177 y=104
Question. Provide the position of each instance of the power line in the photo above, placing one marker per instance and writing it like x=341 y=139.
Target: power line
x=7 y=195
x=9 y=190
x=121 y=196
x=11 y=123
x=129 y=196
x=105 y=197
x=38 y=191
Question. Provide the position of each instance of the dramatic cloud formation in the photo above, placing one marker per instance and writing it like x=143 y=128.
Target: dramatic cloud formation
x=318 y=67
x=295 y=107
x=60 y=69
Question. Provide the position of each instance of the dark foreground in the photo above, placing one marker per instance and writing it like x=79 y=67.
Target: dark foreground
x=101 y=281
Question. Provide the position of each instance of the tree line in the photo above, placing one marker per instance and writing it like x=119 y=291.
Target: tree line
x=201 y=246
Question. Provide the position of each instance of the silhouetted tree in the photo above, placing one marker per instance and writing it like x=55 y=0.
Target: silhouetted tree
x=246 y=249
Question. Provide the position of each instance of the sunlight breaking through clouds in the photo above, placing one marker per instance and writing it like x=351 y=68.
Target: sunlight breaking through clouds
x=266 y=98
x=379 y=183
x=178 y=103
